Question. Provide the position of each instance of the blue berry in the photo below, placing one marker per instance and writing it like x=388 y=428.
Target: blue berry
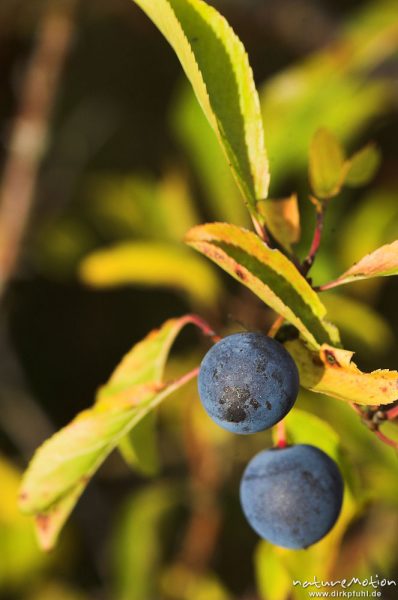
x=292 y=496
x=247 y=382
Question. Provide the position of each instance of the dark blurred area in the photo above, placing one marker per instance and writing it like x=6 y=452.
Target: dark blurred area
x=104 y=141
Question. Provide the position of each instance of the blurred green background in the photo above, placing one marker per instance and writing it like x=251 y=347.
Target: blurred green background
x=127 y=166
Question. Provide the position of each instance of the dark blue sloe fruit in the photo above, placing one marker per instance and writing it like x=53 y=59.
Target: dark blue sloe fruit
x=247 y=382
x=292 y=496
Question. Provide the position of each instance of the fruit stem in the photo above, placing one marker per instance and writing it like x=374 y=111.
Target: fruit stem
x=276 y=325
x=281 y=441
x=204 y=327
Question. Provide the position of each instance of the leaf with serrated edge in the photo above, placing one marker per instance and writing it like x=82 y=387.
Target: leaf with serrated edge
x=380 y=263
x=331 y=371
x=63 y=465
x=217 y=66
x=268 y=274
x=283 y=219
x=326 y=164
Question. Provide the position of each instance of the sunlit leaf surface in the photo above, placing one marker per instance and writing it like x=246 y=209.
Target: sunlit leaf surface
x=331 y=371
x=267 y=273
x=217 y=66
x=63 y=465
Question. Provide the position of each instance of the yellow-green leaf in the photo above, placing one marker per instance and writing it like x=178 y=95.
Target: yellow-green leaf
x=137 y=548
x=282 y=218
x=360 y=322
x=326 y=164
x=201 y=147
x=301 y=98
x=267 y=273
x=331 y=371
x=362 y=166
x=380 y=263
x=63 y=465
x=152 y=264
x=217 y=66
x=139 y=448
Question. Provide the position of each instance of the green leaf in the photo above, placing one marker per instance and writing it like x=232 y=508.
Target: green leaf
x=305 y=428
x=137 y=550
x=331 y=371
x=152 y=264
x=362 y=166
x=139 y=447
x=63 y=465
x=302 y=98
x=268 y=274
x=141 y=206
x=21 y=562
x=200 y=145
x=326 y=164
x=360 y=322
x=283 y=219
x=273 y=579
x=380 y=263
x=217 y=66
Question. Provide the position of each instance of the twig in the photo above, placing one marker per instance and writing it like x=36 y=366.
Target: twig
x=276 y=325
x=29 y=133
x=386 y=440
x=372 y=417
x=261 y=231
x=392 y=413
x=204 y=327
x=316 y=240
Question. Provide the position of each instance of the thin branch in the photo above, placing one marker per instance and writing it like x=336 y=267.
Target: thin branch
x=386 y=440
x=276 y=325
x=205 y=328
x=30 y=131
x=372 y=419
x=316 y=240
x=392 y=413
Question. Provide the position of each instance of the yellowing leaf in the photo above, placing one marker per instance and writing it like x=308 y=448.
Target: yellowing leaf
x=327 y=164
x=282 y=218
x=331 y=371
x=362 y=166
x=217 y=66
x=267 y=273
x=152 y=264
x=20 y=559
x=63 y=465
x=380 y=263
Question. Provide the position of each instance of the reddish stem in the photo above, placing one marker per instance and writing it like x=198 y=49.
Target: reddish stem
x=392 y=413
x=386 y=440
x=261 y=231
x=204 y=327
x=281 y=441
x=316 y=241
x=276 y=325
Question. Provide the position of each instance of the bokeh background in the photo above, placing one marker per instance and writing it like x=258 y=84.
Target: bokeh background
x=106 y=162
